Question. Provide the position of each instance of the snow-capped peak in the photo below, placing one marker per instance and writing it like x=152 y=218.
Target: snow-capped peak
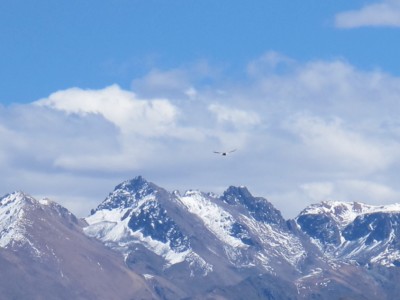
x=11 y=203
x=14 y=197
x=136 y=212
x=343 y=213
x=17 y=214
x=12 y=213
x=128 y=193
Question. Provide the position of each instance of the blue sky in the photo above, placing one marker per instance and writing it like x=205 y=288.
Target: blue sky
x=47 y=45
x=96 y=92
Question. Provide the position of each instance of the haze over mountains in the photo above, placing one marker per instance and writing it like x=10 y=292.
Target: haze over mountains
x=144 y=242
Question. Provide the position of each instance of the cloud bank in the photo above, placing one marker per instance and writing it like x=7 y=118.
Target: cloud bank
x=386 y=13
x=305 y=132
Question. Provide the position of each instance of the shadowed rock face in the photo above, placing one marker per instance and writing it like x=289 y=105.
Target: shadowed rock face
x=354 y=232
x=47 y=256
x=320 y=227
x=374 y=227
x=153 y=221
x=259 y=208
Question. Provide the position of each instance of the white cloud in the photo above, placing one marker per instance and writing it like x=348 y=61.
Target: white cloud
x=351 y=190
x=386 y=13
x=144 y=131
x=191 y=92
x=338 y=147
x=176 y=82
x=367 y=191
x=164 y=82
x=38 y=136
x=122 y=108
x=326 y=89
x=236 y=117
x=269 y=63
x=318 y=191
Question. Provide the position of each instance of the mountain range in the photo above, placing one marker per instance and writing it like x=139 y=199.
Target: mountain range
x=144 y=242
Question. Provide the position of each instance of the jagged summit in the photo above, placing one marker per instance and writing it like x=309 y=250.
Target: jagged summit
x=134 y=185
x=222 y=239
x=15 y=197
x=127 y=193
x=353 y=231
x=343 y=213
x=201 y=235
x=258 y=207
x=140 y=208
x=236 y=195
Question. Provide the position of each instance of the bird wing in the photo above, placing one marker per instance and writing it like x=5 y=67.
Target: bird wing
x=225 y=153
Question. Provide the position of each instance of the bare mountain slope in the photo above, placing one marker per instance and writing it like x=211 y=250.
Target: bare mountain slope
x=45 y=255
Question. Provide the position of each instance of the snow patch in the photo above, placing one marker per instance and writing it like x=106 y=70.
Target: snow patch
x=148 y=276
x=110 y=227
x=216 y=219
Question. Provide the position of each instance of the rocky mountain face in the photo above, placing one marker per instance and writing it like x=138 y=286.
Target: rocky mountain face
x=232 y=246
x=195 y=240
x=143 y=242
x=354 y=232
x=44 y=254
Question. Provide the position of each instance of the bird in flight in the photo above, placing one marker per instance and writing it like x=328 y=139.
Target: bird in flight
x=225 y=153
